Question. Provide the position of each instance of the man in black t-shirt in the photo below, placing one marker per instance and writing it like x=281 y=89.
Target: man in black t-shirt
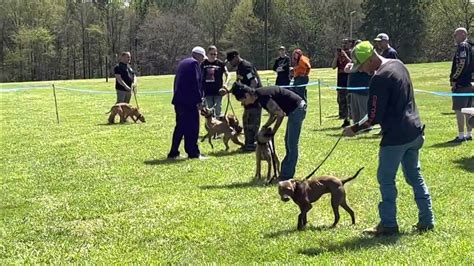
x=460 y=78
x=279 y=103
x=282 y=67
x=125 y=79
x=392 y=105
x=214 y=71
x=247 y=74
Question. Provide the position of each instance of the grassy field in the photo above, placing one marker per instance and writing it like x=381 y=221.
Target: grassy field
x=86 y=192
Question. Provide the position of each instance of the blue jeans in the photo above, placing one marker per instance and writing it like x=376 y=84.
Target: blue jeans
x=292 y=138
x=390 y=158
x=216 y=102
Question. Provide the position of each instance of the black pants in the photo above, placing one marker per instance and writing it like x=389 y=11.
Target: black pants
x=343 y=102
x=187 y=126
x=251 y=120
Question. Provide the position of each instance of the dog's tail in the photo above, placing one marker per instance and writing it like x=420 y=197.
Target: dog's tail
x=350 y=178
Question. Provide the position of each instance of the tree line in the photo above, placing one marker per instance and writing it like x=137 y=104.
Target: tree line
x=80 y=39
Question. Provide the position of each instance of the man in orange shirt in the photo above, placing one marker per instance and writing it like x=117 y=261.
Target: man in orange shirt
x=301 y=68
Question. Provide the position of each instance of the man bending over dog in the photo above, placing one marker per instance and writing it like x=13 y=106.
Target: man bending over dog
x=125 y=79
x=279 y=103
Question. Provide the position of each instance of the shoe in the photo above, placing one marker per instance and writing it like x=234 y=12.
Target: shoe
x=173 y=156
x=423 y=228
x=199 y=157
x=468 y=138
x=457 y=140
x=247 y=149
x=380 y=230
x=346 y=123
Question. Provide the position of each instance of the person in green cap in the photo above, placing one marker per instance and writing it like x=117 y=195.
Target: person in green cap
x=392 y=105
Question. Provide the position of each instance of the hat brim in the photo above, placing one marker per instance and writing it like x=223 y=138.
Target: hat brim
x=378 y=39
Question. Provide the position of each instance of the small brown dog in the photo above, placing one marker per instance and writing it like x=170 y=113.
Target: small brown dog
x=215 y=126
x=124 y=111
x=264 y=152
x=303 y=193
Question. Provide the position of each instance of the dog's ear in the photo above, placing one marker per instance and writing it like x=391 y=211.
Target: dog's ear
x=293 y=184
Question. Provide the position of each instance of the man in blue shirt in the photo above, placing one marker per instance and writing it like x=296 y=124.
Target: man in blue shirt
x=460 y=78
x=187 y=101
x=383 y=45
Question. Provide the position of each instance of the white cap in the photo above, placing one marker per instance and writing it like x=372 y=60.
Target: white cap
x=381 y=37
x=200 y=50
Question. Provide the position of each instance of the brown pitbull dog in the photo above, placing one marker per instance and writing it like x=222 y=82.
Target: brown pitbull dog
x=264 y=152
x=303 y=193
x=124 y=111
x=217 y=127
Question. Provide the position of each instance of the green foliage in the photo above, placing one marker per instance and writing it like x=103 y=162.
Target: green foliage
x=404 y=21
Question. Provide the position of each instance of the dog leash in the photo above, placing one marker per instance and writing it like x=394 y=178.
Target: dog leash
x=135 y=96
x=330 y=152
x=327 y=156
x=273 y=154
x=229 y=104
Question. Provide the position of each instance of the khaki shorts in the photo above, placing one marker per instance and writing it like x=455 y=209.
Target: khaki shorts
x=460 y=102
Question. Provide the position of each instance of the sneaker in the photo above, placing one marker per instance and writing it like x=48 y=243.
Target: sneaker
x=380 y=230
x=468 y=138
x=457 y=140
x=199 y=157
x=423 y=228
x=346 y=123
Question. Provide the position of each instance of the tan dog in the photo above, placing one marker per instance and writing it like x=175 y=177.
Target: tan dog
x=217 y=127
x=303 y=193
x=124 y=111
x=264 y=152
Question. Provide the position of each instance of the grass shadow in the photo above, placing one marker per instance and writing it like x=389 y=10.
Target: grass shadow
x=253 y=183
x=448 y=113
x=466 y=163
x=357 y=243
x=327 y=129
x=286 y=232
x=163 y=161
x=115 y=124
x=223 y=153
x=445 y=145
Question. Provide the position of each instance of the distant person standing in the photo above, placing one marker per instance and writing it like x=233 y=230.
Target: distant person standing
x=383 y=46
x=214 y=71
x=301 y=69
x=359 y=84
x=125 y=78
x=461 y=78
x=341 y=59
x=282 y=67
x=247 y=74
x=187 y=101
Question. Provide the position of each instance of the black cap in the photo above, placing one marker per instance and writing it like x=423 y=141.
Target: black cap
x=231 y=55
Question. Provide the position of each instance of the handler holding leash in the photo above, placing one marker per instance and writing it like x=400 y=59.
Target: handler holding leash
x=125 y=79
x=392 y=105
x=279 y=103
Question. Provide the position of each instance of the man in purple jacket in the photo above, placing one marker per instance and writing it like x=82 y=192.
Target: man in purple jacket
x=187 y=101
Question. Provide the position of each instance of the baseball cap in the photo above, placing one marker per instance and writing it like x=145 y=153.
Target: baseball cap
x=381 y=37
x=231 y=55
x=360 y=54
x=282 y=48
x=200 y=50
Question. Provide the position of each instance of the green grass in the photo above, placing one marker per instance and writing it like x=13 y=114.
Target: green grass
x=86 y=192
